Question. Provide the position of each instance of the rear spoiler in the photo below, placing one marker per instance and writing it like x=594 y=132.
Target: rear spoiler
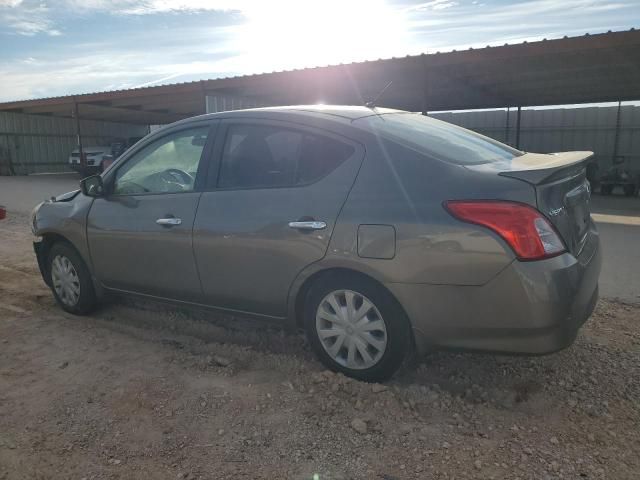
x=537 y=168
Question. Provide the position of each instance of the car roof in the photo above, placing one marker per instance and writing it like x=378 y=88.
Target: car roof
x=346 y=112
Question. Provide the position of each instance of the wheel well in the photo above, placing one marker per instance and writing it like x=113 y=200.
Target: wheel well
x=308 y=283
x=50 y=239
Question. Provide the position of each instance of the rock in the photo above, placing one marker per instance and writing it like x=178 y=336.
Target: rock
x=318 y=378
x=63 y=365
x=378 y=387
x=405 y=429
x=359 y=425
x=554 y=440
x=221 y=431
x=115 y=461
x=477 y=464
x=218 y=361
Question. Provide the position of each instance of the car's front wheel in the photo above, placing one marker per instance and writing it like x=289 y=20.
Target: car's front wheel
x=356 y=327
x=70 y=280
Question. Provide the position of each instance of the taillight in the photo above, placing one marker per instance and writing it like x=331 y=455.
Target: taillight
x=524 y=228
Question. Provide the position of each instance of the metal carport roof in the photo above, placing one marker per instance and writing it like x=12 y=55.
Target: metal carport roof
x=591 y=68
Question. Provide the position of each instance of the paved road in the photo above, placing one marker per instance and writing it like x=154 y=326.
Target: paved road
x=618 y=220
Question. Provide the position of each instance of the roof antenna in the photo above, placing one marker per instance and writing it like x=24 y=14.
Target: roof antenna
x=372 y=103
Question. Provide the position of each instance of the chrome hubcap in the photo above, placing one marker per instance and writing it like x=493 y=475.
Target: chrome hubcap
x=351 y=329
x=65 y=280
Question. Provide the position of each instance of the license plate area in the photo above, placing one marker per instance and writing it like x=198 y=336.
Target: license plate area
x=578 y=204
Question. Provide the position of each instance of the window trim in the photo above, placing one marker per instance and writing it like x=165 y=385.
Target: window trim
x=213 y=178
x=203 y=166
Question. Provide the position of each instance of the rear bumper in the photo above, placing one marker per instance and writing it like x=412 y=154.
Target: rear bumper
x=528 y=308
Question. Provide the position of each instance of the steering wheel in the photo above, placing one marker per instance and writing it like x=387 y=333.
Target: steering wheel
x=180 y=175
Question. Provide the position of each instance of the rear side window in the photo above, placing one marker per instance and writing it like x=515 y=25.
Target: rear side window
x=438 y=139
x=257 y=156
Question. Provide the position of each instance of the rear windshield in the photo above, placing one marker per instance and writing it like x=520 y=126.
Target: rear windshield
x=438 y=139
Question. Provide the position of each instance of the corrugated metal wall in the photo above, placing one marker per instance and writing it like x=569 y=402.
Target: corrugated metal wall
x=562 y=129
x=39 y=144
x=224 y=103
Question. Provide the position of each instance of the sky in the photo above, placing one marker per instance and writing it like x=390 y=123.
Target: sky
x=60 y=47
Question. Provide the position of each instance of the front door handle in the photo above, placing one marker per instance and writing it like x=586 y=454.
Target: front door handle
x=169 y=221
x=310 y=225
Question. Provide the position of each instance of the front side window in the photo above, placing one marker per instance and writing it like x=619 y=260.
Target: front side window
x=257 y=156
x=438 y=139
x=168 y=165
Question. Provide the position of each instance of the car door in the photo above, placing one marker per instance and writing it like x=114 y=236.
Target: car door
x=140 y=233
x=271 y=211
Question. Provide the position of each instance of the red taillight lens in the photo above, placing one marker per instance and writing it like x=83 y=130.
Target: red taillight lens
x=524 y=228
x=3 y=213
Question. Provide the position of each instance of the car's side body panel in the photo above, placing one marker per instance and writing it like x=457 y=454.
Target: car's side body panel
x=246 y=252
x=399 y=187
x=131 y=252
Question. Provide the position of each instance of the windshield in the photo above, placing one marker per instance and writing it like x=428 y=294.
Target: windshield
x=438 y=139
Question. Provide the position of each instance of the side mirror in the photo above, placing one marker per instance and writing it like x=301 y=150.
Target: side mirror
x=92 y=186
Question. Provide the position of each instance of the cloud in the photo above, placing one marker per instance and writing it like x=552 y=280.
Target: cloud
x=26 y=20
x=434 y=5
x=83 y=67
x=148 y=7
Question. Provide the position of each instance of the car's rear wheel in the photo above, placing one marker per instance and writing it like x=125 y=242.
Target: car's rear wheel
x=356 y=327
x=70 y=280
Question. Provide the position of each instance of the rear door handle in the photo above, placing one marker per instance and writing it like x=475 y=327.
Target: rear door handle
x=169 y=221
x=310 y=225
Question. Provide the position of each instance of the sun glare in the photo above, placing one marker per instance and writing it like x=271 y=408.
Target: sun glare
x=285 y=34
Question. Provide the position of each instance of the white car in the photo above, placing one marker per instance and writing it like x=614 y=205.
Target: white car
x=93 y=156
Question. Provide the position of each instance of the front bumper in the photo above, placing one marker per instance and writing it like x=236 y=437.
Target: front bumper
x=528 y=308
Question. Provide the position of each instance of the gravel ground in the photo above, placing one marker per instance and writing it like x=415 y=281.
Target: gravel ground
x=143 y=391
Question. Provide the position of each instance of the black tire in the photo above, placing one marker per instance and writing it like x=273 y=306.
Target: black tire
x=86 y=300
x=398 y=329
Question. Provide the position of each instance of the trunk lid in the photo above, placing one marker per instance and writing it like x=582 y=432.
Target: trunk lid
x=563 y=193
